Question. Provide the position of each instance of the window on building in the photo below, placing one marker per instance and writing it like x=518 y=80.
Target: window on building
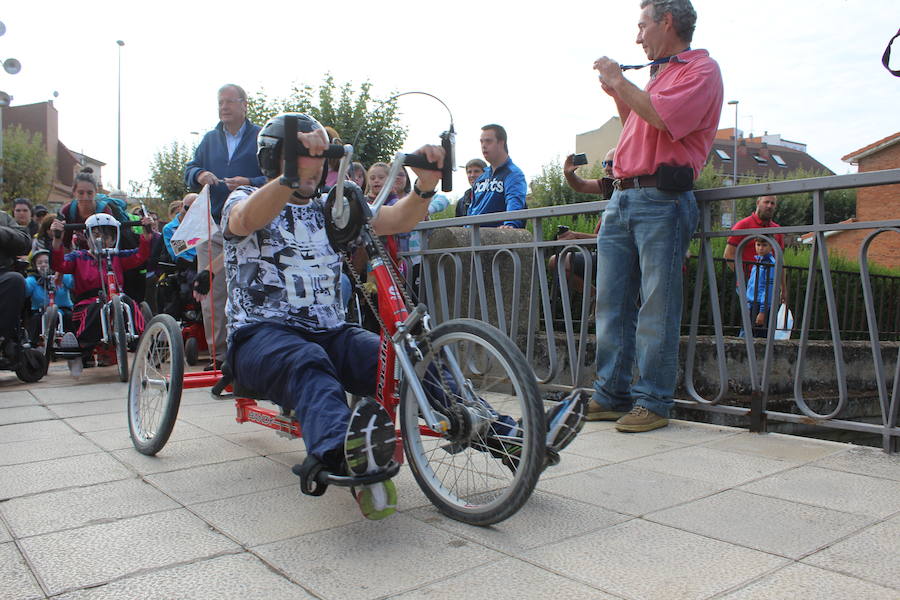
x=722 y=154
x=760 y=159
x=779 y=161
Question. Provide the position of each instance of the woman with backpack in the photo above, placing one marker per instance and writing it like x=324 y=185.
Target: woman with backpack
x=86 y=202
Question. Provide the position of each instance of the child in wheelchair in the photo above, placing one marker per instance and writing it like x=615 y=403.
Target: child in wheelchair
x=87 y=267
x=38 y=285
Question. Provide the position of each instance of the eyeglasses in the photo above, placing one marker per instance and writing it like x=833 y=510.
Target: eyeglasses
x=606 y=163
x=225 y=101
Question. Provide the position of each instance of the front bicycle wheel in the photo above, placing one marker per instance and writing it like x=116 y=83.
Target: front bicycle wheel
x=120 y=338
x=154 y=390
x=484 y=469
x=49 y=324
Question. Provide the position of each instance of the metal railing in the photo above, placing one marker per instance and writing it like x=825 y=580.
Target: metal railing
x=506 y=282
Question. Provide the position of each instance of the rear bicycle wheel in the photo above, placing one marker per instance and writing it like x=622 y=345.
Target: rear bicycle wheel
x=120 y=338
x=483 y=470
x=154 y=389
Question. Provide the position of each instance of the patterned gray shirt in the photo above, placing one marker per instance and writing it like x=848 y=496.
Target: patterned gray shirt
x=287 y=272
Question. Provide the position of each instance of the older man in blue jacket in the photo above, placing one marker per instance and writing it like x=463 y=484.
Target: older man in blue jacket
x=224 y=160
x=501 y=188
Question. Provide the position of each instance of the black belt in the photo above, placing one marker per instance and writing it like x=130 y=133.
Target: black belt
x=641 y=181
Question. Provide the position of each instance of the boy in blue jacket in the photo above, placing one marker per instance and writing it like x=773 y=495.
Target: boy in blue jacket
x=760 y=286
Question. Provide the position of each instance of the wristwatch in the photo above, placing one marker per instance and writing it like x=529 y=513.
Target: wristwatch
x=420 y=193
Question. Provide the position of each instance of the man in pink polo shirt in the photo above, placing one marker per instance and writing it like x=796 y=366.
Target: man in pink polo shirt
x=761 y=218
x=648 y=223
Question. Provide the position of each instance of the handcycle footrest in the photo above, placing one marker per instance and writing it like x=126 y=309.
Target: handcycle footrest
x=321 y=479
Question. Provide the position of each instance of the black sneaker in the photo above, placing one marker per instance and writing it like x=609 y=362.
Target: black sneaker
x=368 y=448
x=565 y=420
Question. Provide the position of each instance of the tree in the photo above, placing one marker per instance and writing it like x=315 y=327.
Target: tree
x=370 y=124
x=27 y=168
x=167 y=171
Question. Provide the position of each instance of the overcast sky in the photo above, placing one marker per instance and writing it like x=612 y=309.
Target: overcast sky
x=810 y=71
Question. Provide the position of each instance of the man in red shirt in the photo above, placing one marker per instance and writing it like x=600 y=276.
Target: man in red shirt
x=668 y=131
x=759 y=219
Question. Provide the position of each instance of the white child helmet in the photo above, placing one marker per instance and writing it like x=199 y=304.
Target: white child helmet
x=99 y=224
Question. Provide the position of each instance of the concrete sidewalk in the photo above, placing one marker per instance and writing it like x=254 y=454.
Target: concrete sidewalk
x=689 y=511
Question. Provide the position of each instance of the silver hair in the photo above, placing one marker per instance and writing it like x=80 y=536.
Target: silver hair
x=684 y=17
x=240 y=91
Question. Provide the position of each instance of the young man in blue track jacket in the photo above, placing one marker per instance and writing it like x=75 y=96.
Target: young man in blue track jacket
x=501 y=188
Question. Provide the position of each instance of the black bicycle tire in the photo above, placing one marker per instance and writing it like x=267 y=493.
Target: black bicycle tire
x=531 y=462
x=120 y=338
x=50 y=319
x=191 y=351
x=161 y=324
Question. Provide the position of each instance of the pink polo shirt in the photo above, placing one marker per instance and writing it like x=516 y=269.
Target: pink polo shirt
x=687 y=94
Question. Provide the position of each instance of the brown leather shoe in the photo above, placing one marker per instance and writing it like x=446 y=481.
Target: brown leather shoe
x=640 y=419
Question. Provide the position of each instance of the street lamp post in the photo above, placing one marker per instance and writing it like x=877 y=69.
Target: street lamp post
x=119 y=145
x=734 y=160
x=11 y=66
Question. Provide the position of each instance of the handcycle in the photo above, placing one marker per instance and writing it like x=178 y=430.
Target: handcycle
x=19 y=353
x=176 y=285
x=118 y=330
x=446 y=384
x=52 y=326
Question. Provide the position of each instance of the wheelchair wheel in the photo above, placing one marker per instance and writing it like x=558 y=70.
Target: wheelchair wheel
x=146 y=313
x=191 y=351
x=120 y=338
x=154 y=389
x=50 y=321
x=483 y=470
x=32 y=365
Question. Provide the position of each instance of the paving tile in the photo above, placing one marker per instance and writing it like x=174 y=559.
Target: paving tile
x=41 y=430
x=685 y=432
x=544 y=519
x=16 y=581
x=279 y=514
x=195 y=396
x=231 y=577
x=4 y=534
x=93 y=555
x=119 y=438
x=837 y=490
x=571 y=463
x=339 y=563
x=18 y=480
x=645 y=560
x=81 y=392
x=24 y=414
x=264 y=441
x=18 y=398
x=70 y=444
x=614 y=446
x=206 y=410
x=289 y=458
x=869 y=555
x=97 y=407
x=763 y=523
x=724 y=469
x=864 y=461
x=627 y=489
x=221 y=424
x=117 y=420
x=781 y=447
x=77 y=507
x=183 y=454
x=507 y=578
x=802 y=581
x=223 y=480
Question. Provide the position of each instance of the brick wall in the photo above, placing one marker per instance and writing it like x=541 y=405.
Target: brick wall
x=875 y=204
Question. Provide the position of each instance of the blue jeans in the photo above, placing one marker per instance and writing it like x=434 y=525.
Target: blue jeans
x=640 y=254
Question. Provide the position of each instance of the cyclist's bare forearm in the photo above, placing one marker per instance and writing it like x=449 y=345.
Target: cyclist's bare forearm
x=258 y=210
x=402 y=216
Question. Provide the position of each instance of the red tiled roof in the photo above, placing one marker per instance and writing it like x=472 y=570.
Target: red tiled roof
x=888 y=141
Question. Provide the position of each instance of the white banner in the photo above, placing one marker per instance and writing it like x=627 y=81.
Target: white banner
x=196 y=226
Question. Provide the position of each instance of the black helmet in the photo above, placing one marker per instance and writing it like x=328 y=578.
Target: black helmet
x=271 y=140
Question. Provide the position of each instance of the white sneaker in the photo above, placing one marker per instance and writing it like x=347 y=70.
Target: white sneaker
x=75 y=367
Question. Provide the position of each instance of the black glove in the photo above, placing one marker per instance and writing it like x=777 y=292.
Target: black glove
x=203 y=281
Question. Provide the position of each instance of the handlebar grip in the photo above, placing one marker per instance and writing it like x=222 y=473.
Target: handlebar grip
x=419 y=162
x=448 y=139
x=74 y=226
x=290 y=148
x=333 y=151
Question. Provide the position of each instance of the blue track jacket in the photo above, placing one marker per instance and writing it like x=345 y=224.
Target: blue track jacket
x=499 y=191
